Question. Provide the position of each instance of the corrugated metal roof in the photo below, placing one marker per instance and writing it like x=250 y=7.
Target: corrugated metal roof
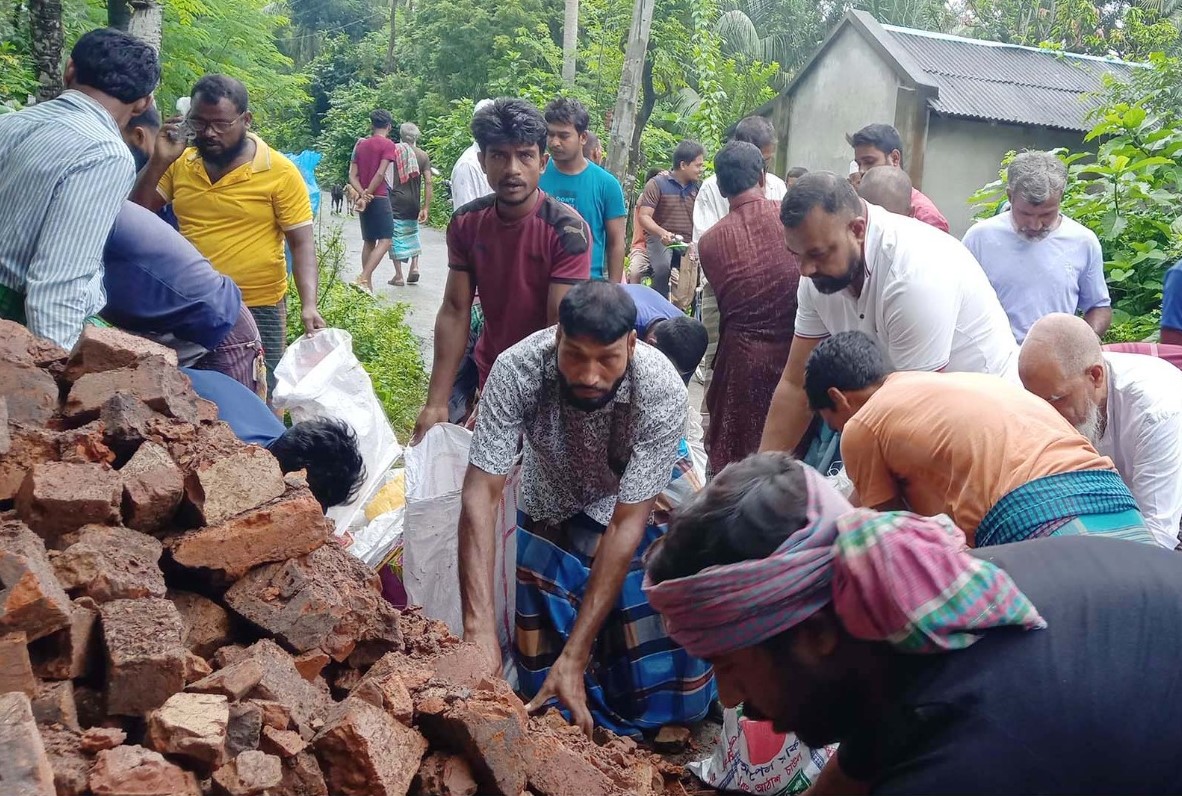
x=1008 y=83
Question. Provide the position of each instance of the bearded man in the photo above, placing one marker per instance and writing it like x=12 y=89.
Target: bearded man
x=238 y=201
x=914 y=290
x=604 y=463
x=1127 y=405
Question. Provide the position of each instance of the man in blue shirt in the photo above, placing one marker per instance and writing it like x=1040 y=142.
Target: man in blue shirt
x=592 y=192
x=682 y=339
x=325 y=448
x=1171 y=306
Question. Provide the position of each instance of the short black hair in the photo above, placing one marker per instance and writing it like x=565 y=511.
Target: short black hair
x=745 y=513
x=822 y=189
x=116 y=63
x=796 y=172
x=648 y=175
x=684 y=341
x=882 y=137
x=149 y=119
x=601 y=311
x=847 y=361
x=214 y=88
x=564 y=110
x=509 y=121
x=739 y=165
x=755 y=130
x=687 y=152
x=381 y=120
x=326 y=448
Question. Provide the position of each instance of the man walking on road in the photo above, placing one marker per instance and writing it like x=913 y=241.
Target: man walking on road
x=592 y=192
x=409 y=173
x=367 y=174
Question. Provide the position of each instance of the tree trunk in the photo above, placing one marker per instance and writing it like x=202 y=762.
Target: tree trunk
x=390 y=46
x=147 y=22
x=570 y=40
x=624 y=115
x=646 y=108
x=45 y=28
x=118 y=14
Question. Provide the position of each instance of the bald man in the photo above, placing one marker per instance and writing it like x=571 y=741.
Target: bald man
x=889 y=187
x=1128 y=405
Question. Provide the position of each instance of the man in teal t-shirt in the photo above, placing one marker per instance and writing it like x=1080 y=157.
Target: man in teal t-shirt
x=592 y=192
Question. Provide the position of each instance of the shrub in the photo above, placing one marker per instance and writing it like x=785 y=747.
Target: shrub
x=382 y=340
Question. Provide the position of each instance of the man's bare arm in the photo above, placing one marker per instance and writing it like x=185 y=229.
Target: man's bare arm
x=306 y=275
x=452 y=324
x=355 y=178
x=645 y=216
x=1099 y=318
x=558 y=291
x=378 y=176
x=789 y=415
x=614 y=252
x=477 y=557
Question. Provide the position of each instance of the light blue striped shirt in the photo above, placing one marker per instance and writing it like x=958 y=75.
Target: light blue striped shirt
x=64 y=175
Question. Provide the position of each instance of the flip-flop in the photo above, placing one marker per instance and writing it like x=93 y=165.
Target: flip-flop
x=364 y=288
x=396 y=282
x=412 y=278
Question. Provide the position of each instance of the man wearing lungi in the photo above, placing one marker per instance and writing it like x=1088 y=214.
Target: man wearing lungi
x=602 y=416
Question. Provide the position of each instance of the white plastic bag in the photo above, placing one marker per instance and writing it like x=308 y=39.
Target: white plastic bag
x=751 y=757
x=505 y=586
x=320 y=377
x=430 y=563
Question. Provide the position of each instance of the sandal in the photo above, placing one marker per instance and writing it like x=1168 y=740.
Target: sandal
x=396 y=282
x=364 y=287
x=413 y=278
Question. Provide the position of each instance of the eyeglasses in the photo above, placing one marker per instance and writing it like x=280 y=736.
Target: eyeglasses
x=199 y=126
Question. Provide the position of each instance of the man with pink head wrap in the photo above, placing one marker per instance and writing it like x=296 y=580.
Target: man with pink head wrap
x=883 y=632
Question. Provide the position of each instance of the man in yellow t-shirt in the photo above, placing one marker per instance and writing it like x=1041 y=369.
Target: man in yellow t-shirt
x=238 y=201
x=999 y=461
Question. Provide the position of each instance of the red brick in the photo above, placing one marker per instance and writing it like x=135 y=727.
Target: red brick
x=26 y=767
x=274 y=714
x=136 y=771
x=234 y=681
x=446 y=775
x=18 y=344
x=302 y=777
x=31 y=599
x=152 y=488
x=154 y=381
x=85 y=445
x=249 y=774
x=311 y=664
x=5 y=434
x=388 y=692
x=70 y=652
x=207 y=625
x=70 y=765
x=145 y=654
x=326 y=600
x=57 y=498
x=245 y=730
x=100 y=349
x=290 y=526
x=191 y=726
x=230 y=654
x=282 y=683
x=281 y=743
x=557 y=770
x=490 y=729
x=30 y=392
x=196 y=668
x=363 y=751
x=16 y=670
x=128 y=422
x=220 y=485
x=28 y=448
x=54 y=704
x=672 y=739
x=110 y=564
x=96 y=739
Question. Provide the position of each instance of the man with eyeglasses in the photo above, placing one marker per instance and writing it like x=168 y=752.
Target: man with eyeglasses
x=238 y=201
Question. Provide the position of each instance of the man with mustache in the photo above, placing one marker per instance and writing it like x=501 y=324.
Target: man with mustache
x=915 y=290
x=600 y=416
x=1038 y=260
x=521 y=248
x=238 y=201
x=1128 y=405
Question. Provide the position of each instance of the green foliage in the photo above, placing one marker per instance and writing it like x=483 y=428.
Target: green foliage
x=382 y=340
x=1129 y=192
x=17 y=79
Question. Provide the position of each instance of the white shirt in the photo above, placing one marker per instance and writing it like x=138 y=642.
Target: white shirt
x=468 y=181
x=925 y=299
x=711 y=206
x=1144 y=437
x=1063 y=272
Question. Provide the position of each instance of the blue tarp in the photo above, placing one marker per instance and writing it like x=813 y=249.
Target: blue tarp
x=306 y=162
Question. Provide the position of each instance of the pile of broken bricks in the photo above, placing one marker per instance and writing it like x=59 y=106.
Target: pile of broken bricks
x=177 y=618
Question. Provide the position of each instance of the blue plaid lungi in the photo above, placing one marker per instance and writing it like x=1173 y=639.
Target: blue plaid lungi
x=1087 y=502
x=638 y=679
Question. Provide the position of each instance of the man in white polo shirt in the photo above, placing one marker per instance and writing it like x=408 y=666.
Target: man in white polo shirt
x=1038 y=260
x=1128 y=405
x=914 y=289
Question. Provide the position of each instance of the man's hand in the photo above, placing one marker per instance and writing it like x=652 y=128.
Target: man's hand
x=313 y=322
x=487 y=641
x=424 y=214
x=429 y=417
x=170 y=143
x=667 y=237
x=565 y=682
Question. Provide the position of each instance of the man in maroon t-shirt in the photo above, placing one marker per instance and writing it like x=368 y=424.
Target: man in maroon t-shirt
x=367 y=175
x=521 y=248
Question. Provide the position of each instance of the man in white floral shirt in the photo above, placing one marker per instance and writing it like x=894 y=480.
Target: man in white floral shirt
x=604 y=462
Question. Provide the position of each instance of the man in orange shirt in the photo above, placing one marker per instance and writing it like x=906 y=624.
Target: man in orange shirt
x=1002 y=463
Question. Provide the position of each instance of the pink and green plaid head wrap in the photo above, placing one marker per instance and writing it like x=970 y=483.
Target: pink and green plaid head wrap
x=894 y=577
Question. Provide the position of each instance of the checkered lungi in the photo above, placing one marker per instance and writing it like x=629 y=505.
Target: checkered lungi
x=240 y=355
x=272 y=324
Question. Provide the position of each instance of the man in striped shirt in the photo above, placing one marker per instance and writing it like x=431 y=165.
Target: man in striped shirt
x=64 y=175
